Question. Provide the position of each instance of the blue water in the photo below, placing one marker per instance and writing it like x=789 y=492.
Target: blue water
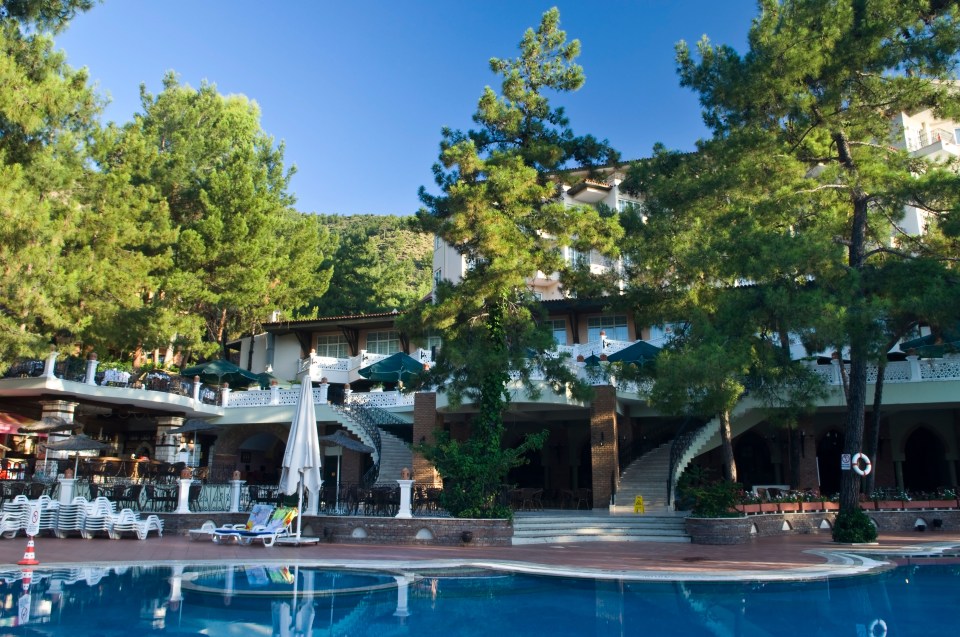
x=262 y=600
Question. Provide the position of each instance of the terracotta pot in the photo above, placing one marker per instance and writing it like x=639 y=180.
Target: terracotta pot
x=750 y=508
x=768 y=507
x=788 y=507
x=943 y=504
x=830 y=506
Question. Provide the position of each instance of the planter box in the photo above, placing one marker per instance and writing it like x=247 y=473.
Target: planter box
x=719 y=530
x=830 y=506
x=894 y=505
x=768 y=507
x=943 y=504
x=916 y=504
x=788 y=507
x=747 y=509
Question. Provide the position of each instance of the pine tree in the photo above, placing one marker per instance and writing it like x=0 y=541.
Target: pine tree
x=499 y=209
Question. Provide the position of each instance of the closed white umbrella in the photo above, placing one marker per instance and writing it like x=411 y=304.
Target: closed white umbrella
x=302 y=459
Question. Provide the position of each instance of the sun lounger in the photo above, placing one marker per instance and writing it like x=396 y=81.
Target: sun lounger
x=277 y=525
x=259 y=516
x=127 y=521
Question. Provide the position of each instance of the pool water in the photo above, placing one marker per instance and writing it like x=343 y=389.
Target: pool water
x=293 y=601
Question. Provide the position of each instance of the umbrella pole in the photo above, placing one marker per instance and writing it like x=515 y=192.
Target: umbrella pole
x=299 y=506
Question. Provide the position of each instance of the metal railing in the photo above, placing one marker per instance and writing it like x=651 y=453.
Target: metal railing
x=686 y=434
x=360 y=415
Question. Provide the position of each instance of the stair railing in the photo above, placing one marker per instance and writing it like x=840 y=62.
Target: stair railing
x=361 y=416
x=686 y=434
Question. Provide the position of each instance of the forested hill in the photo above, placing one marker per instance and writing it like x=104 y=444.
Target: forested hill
x=380 y=264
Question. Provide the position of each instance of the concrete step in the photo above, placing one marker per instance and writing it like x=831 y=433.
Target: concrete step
x=547 y=527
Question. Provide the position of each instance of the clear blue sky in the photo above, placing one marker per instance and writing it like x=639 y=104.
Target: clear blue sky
x=359 y=90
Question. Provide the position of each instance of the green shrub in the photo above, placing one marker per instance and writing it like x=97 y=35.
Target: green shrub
x=716 y=500
x=854 y=527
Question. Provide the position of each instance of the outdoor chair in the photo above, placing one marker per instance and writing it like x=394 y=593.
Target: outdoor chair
x=581 y=497
x=160 y=499
x=259 y=515
x=193 y=497
x=127 y=521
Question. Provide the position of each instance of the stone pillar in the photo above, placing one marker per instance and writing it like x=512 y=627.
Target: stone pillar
x=67 y=489
x=405 y=490
x=90 y=378
x=346 y=394
x=225 y=395
x=196 y=388
x=426 y=422
x=324 y=390
x=313 y=501
x=183 y=502
x=603 y=444
x=274 y=393
x=403 y=582
x=167 y=445
x=235 y=486
x=57 y=409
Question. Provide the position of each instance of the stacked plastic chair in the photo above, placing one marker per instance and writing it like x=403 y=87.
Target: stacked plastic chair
x=16 y=515
x=127 y=521
x=101 y=514
x=72 y=517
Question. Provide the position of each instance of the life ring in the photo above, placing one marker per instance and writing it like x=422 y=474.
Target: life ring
x=875 y=625
x=855 y=464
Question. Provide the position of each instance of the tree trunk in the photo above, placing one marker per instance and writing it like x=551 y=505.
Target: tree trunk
x=794 y=455
x=871 y=444
x=726 y=435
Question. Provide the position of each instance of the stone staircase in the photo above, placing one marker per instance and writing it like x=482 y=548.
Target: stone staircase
x=646 y=476
x=395 y=454
x=555 y=527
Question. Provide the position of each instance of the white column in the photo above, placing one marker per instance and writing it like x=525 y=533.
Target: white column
x=235 y=486
x=405 y=489
x=274 y=393
x=225 y=395
x=313 y=501
x=403 y=582
x=346 y=394
x=50 y=363
x=915 y=376
x=324 y=388
x=196 y=388
x=67 y=489
x=91 y=369
x=183 y=506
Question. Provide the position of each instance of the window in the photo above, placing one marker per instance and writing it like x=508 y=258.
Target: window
x=624 y=205
x=614 y=326
x=559 y=329
x=386 y=342
x=332 y=346
x=437 y=277
x=433 y=344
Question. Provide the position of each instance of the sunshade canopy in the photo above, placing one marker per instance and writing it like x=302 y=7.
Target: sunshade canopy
x=640 y=352
x=192 y=425
x=399 y=367
x=79 y=442
x=49 y=424
x=340 y=439
x=221 y=371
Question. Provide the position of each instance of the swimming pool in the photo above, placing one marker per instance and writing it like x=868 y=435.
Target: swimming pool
x=290 y=601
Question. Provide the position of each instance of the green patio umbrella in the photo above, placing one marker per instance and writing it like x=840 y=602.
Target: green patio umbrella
x=219 y=372
x=640 y=352
x=396 y=368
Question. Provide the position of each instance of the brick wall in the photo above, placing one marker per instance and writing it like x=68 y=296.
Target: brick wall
x=603 y=444
x=426 y=421
x=369 y=530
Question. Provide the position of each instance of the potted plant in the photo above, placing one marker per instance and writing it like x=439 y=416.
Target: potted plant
x=749 y=502
x=944 y=498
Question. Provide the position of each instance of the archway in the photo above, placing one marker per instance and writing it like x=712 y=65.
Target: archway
x=924 y=467
x=829 y=449
x=752 y=455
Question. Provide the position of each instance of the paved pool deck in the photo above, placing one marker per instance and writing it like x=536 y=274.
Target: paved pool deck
x=771 y=558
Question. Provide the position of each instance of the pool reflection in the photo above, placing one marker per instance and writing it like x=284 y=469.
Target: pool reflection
x=292 y=601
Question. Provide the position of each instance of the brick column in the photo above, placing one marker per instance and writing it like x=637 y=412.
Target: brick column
x=808 y=457
x=603 y=444
x=426 y=421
